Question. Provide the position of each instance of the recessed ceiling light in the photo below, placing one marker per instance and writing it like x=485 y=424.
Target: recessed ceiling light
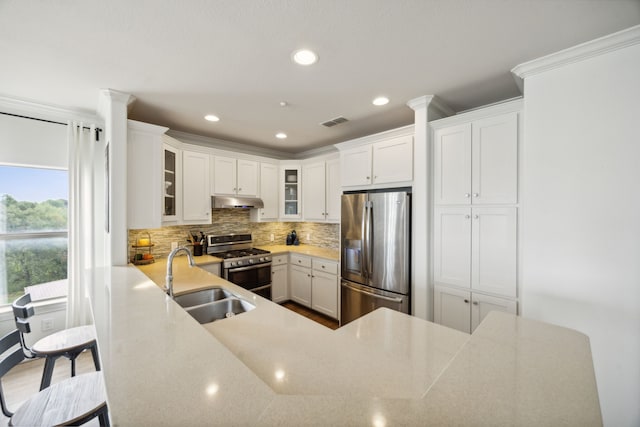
x=304 y=57
x=381 y=100
x=281 y=135
x=212 y=118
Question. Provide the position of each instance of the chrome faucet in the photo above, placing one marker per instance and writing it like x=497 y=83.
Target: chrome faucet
x=168 y=287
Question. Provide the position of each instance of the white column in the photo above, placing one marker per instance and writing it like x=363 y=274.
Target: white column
x=113 y=109
x=426 y=108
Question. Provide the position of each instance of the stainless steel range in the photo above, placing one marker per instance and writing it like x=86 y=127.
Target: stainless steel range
x=243 y=264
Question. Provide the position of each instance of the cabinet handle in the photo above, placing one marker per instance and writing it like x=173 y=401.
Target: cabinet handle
x=466 y=301
x=367 y=178
x=308 y=275
x=476 y=216
x=323 y=266
x=475 y=303
x=239 y=189
x=467 y=216
x=475 y=194
x=467 y=195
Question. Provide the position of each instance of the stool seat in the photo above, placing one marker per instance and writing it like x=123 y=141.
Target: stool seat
x=67 y=340
x=70 y=402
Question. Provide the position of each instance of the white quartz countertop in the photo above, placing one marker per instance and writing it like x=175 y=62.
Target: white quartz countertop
x=270 y=366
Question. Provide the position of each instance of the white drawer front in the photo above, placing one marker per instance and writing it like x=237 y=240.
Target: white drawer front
x=279 y=259
x=300 y=260
x=325 y=266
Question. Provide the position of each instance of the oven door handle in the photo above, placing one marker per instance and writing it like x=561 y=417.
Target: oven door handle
x=250 y=267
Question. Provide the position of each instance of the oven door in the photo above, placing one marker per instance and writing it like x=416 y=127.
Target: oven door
x=254 y=278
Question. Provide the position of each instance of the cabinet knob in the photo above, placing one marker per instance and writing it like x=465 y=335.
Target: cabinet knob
x=466 y=301
x=368 y=178
x=475 y=303
x=475 y=194
x=467 y=216
x=467 y=195
x=239 y=189
x=476 y=216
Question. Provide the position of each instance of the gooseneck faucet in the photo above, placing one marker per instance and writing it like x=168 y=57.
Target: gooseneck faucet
x=168 y=287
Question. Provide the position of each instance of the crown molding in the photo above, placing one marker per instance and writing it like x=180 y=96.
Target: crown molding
x=590 y=49
x=38 y=110
x=507 y=106
x=433 y=103
x=381 y=136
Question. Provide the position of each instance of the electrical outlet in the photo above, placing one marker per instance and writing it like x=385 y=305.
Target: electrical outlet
x=308 y=237
x=174 y=245
x=47 y=324
x=272 y=237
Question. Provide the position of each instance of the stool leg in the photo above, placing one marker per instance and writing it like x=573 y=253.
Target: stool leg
x=49 y=363
x=96 y=358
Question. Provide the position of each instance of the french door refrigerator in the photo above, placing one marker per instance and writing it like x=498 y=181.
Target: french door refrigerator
x=375 y=231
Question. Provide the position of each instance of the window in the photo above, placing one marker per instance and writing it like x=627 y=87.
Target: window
x=33 y=232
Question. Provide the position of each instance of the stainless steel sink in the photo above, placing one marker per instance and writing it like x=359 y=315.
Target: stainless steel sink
x=204 y=296
x=218 y=310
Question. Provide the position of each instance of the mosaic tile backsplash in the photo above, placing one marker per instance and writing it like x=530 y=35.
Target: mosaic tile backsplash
x=229 y=221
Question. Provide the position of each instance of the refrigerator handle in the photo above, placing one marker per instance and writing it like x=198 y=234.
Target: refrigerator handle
x=365 y=241
x=369 y=252
x=383 y=297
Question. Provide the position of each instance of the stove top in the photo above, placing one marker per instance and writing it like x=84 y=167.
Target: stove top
x=239 y=253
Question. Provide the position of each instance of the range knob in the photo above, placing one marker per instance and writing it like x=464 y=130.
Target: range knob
x=251 y=261
x=231 y=263
x=262 y=259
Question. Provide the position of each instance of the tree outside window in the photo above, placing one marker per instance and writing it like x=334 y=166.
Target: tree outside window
x=33 y=232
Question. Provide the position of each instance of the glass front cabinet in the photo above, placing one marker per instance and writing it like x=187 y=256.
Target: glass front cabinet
x=170 y=184
x=291 y=193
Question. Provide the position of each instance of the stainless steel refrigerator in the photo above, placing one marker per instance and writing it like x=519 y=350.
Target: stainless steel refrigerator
x=375 y=234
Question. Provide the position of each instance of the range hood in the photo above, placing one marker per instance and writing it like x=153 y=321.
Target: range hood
x=227 y=202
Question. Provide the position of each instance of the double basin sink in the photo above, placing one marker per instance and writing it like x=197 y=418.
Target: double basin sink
x=209 y=305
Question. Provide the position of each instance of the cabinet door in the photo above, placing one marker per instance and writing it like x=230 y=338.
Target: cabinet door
x=224 y=175
x=279 y=288
x=324 y=293
x=247 y=177
x=313 y=192
x=493 y=253
x=196 y=194
x=452 y=165
x=269 y=191
x=301 y=285
x=290 y=193
x=393 y=160
x=452 y=308
x=452 y=246
x=483 y=304
x=333 y=191
x=145 y=178
x=495 y=159
x=356 y=166
x=172 y=160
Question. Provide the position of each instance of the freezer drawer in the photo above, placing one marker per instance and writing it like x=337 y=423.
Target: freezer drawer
x=358 y=300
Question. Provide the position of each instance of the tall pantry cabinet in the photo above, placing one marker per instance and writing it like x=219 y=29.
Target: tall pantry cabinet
x=475 y=216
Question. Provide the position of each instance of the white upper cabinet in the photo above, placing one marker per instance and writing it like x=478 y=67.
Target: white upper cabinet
x=235 y=177
x=145 y=189
x=196 y=191
x=290 y=192
x=477 y=162
x=268 y=192
x=393 y=160
x=321 y=191
x=387 y=161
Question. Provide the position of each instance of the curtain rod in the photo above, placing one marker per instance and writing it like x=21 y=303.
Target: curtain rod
x=98 y=130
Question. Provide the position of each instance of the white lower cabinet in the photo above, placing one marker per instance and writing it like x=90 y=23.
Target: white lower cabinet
x=279 y=278
x=314 y=284
x=301 y=285
x=464 y=310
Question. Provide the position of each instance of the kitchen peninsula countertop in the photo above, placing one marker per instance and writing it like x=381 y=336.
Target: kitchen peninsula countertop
x=272 y=367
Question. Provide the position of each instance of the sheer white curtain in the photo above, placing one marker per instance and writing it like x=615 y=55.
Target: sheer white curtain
x=82 y=206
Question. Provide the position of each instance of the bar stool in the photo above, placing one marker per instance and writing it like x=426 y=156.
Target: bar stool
x=72 y=401
x=68 y=342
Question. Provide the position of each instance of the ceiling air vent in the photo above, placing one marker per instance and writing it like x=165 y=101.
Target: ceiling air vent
x=333 y=122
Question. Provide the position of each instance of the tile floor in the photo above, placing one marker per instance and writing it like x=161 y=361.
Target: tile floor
x=313 y=315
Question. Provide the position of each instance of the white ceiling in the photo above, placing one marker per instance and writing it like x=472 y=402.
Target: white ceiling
x=184 y=59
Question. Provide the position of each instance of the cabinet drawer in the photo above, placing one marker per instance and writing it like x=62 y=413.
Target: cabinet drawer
x=326 y=266
x=279 y=259
x=300 y=260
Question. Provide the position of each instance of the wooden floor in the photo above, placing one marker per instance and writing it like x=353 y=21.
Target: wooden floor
x=313 y=315
x=23 y=381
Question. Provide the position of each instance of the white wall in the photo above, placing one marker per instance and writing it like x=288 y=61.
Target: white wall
x=581 y=226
